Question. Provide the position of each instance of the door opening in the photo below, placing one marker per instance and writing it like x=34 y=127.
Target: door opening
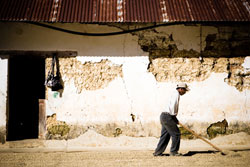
x=26 y=78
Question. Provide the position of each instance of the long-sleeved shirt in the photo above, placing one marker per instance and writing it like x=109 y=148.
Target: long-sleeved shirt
x=173 y=104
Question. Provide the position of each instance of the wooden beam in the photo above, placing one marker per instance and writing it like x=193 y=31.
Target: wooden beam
x=4 y=54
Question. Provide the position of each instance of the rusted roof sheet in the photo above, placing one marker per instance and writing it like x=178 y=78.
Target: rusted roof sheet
x=98 y=11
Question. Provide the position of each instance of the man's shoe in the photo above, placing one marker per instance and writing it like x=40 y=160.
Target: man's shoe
x=175 y=154
x=156 y=155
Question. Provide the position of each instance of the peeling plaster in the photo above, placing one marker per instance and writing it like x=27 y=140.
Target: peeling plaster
x=192 y=69
x=224 y=50
x=88 y=76
x=217 y=128
x=166 y=51
x=56 y=129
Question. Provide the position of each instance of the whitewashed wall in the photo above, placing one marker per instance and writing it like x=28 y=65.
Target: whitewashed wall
x=137 y=92
x=3 y=91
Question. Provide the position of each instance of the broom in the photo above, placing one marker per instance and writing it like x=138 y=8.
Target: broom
x=195 y=134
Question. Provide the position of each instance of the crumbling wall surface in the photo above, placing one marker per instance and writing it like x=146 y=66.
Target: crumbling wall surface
x=107 y=110
x=176 y=40
x=190 y=40
x=87 y=76
x=57 y=129
x=229 y=41
x=133 y=129
x=194 y=55
x=193 y=69
x=61 y=130
x=122 y=96
x=127 y=97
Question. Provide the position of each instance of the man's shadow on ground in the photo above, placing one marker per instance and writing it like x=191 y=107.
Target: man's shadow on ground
x=191 y=153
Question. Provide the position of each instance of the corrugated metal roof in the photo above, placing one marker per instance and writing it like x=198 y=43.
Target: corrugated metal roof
x=97 y=11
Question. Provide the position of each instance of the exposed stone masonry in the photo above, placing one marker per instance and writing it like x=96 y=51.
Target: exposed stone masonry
x=192 y=69
x=229 y=42
x=88 y=76
x=223 y=52
x=56 y=129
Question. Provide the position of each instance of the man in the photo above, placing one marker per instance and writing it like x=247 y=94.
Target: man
x=169 y=123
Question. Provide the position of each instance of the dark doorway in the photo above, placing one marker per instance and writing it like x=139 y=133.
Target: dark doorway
x=26 y=86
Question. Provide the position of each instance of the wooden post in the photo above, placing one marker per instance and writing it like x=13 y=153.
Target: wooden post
x=42 y=119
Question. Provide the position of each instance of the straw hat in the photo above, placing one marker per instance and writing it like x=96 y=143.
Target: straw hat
x=182 y=85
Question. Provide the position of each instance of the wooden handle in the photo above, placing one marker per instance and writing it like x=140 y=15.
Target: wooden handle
x=195 y=134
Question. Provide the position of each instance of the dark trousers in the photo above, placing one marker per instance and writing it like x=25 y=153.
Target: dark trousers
x=169 y=129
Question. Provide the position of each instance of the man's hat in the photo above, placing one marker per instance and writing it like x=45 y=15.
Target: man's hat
x=182 y=85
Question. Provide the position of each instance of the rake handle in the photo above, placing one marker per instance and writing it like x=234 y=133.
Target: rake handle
x=195 y=134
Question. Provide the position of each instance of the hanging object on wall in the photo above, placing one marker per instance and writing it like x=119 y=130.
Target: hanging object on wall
x=54 y=81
